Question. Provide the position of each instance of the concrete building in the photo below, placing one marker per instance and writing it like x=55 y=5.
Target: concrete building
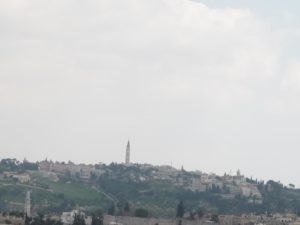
x=67 y=218
x=24 y=178
x=81 y=171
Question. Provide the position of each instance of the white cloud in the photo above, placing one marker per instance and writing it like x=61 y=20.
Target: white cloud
x=292 y=78
x=89 y=73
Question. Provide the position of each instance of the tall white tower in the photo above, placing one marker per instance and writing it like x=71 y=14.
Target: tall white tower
x=27 y=209
x=127 y=158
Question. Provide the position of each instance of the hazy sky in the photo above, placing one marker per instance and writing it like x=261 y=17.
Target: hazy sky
x=212 y=85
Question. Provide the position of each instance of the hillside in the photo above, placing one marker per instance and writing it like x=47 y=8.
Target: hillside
x=121 y=189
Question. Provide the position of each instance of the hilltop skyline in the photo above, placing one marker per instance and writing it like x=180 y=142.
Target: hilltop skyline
x=236 y=172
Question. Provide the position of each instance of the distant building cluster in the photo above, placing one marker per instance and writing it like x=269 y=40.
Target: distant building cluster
x=67 y=218
x=229 y=185
x=81 y=171
x=201 y=182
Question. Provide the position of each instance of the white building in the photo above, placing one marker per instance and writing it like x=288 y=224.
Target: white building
x=25 y=178
x=67 y=218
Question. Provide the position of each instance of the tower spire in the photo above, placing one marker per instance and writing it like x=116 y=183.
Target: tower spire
x=27 y=210
x=127 y=158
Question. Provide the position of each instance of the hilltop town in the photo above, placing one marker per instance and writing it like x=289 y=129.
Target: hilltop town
x=129 y=190
x=196 y=181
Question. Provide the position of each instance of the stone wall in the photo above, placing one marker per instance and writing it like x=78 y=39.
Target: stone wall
x=224 y=220
x=149 y=221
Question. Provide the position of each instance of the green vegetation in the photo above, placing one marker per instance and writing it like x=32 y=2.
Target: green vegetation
x=160 y=196
x=125 y=190
x=97 y=218
x=180 y=210
x=79 y=220
x=214 y=218
x=143 y=213
x=111 y=210
x=16 y=166
x=52 y=196
x=278 y=198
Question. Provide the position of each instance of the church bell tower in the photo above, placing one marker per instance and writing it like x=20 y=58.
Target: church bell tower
x=127 y=158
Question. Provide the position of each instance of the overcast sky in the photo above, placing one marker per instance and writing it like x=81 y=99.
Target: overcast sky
x=212 y=85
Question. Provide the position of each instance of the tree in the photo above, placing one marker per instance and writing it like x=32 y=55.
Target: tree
x=143 y=213
x=214 y=218
x=7 y=221
x=192 y=215
x=127 y=208
x=120 y=208
x=52 y=222
x=39 y=220
x=97 y=219
x=200 y=213
x=291 y=186
x=29 y=166
x=79 y=220
x=111 y=210
x=27 y=220
x=180 y=210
